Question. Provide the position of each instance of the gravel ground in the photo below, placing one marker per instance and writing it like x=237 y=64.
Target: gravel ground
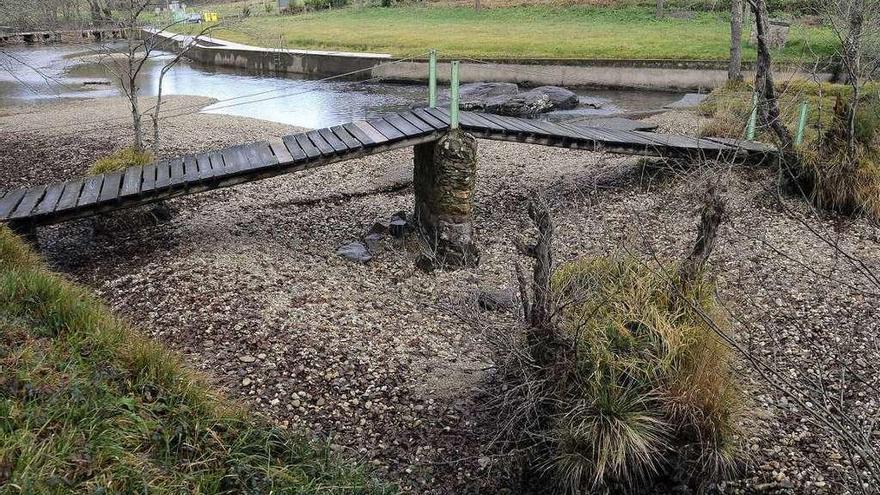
x=244 y=283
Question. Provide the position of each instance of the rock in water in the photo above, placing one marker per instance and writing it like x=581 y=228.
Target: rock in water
x=521 y=105
x=560 y=98
x=473 y=96
x=355 y=251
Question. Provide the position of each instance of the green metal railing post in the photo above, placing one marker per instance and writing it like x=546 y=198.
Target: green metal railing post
x=453 y=100
x=802 y=125
x=753 y=118
x=432 y=79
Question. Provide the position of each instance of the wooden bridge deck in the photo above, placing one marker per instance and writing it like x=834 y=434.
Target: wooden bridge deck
x=62 y=201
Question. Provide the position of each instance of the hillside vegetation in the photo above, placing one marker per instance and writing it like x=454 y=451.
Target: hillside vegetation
x=88 y=405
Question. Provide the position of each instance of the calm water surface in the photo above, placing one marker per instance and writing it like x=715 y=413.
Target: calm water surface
x=44 y=73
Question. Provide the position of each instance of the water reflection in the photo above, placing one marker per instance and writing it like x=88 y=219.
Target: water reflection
x=45 y=72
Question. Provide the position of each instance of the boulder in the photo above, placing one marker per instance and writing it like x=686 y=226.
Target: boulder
x=560 y=98
x=473 y=96
x=522 y=105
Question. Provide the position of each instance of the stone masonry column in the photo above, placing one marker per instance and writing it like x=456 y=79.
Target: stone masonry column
x=444 y=179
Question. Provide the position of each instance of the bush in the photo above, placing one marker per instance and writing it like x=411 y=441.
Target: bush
x=121 y=160
x=822 y=171
x=88 y=405
x=645 y=390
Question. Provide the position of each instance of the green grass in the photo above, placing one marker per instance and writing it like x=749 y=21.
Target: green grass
x=629 y=32
x=88 y=405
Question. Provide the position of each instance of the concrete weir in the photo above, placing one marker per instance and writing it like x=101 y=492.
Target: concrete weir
x=630 y=74
x=65 y=36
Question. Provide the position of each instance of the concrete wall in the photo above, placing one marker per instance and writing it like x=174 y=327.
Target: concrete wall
x=625 y=74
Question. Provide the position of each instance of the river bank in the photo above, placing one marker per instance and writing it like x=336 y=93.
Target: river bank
x=391 y=364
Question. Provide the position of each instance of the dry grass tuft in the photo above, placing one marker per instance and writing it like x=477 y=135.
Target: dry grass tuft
x=642 y=389
x=121 y=160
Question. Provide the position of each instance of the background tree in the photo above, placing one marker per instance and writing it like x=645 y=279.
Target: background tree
x=734 y=70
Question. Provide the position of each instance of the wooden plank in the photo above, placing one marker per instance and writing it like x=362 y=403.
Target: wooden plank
x=486 y=124
x=234 y=160
x=371 y=131
x=150 y=173
x=523 y=124
x=279 y=149
x=218 y=165
x=308 y=148
x=190 y=169
x=754 y=146
x=437 y=114
x=430 y=119
x=296 y=151
x=359 y=134
x=508 y=127
x=350 y=141
x=131 y=182
x=203 y=166
x=10 y=201
x=176 y=172
x=386 y=129
x=333 y=141
x=70 y=195
x=251 y=156
x=413 y=120
x=267 y=157
x=50 y=200
x=91 y=190
x=402 y=125
x=28 y=202
x=111 y=185
x=163 y=174
x=319 y=142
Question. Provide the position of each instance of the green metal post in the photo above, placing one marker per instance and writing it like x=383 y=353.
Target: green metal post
x=802 y=125
x=453 y=100
x=432 y=79
x=753 y=118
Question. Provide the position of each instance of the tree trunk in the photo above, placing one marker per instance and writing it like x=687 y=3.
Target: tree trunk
x=710 y=219
x=477 y=5
x=852 y=59
x=734 y=70
x=660 y=9
x=768 y=105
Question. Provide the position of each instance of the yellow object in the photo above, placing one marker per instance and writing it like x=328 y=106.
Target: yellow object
x=210 y=16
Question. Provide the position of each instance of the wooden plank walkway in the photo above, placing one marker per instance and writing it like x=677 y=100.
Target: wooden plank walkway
x=62 y=201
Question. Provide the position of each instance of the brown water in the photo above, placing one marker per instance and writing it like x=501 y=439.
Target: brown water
x=44 y=73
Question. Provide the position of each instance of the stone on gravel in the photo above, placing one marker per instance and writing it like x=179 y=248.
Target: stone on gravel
x=495 y=300
x=355 y=251
x=247 y=359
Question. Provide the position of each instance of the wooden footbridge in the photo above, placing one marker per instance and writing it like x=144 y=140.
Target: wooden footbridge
x=25 y=208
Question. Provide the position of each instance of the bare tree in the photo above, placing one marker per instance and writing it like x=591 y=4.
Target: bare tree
x=141 y=45
x=734 y=70
x=768 y=104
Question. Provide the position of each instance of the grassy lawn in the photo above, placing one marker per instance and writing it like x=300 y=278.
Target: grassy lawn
x=629 y=32
x=89 y=405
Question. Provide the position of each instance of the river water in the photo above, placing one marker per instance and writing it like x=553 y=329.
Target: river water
x=44 y=73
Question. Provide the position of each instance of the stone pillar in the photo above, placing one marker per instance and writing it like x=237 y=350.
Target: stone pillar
x=444 y=179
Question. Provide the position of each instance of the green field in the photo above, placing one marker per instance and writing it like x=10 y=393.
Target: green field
x=630 y=32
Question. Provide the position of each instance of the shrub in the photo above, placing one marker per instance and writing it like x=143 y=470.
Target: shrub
x=121 y=160
x=88 y=405
x=645 y=389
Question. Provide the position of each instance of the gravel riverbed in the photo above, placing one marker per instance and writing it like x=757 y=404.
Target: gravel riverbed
x=245 y=284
